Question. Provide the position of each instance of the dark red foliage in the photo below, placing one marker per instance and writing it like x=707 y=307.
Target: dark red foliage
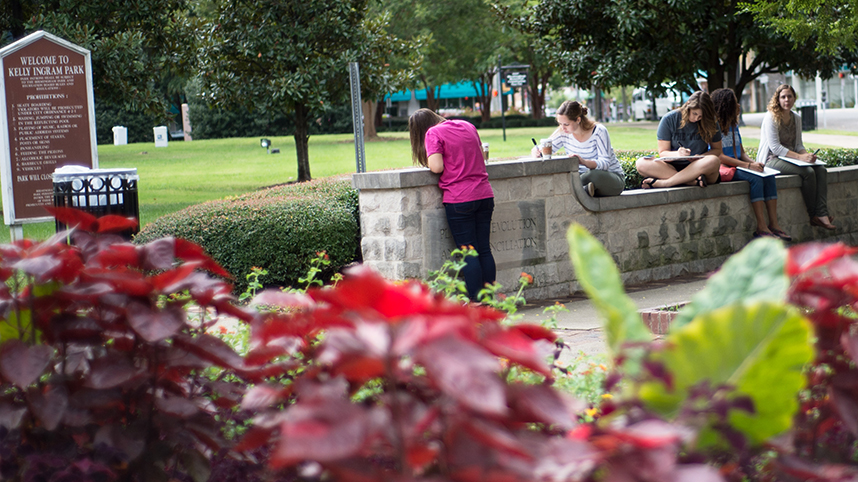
x=443 y=408
x=825 y=285
x=102 y=380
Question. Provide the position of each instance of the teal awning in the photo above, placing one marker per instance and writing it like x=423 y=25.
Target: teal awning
x=448 y=91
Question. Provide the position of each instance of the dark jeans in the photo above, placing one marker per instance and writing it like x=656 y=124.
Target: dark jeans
x=471 y=225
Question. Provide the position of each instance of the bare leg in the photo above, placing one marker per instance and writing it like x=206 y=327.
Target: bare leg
x=757 y=207
x=772 y=209
x=668 y=176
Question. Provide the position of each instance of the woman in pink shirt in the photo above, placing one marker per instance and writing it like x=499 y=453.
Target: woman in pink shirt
x=452 y=148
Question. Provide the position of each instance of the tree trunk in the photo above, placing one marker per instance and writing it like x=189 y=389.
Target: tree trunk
x=369 y=108
x=484 y=96
x=301 y=142
x=16 y=17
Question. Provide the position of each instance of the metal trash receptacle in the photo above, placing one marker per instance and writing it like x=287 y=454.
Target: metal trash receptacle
x=98 y=192
x=808 y=117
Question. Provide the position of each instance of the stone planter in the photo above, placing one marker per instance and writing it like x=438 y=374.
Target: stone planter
x=658 y=319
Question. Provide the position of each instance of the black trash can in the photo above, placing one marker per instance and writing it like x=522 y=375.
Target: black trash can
x=98 y=192
x=808 y=117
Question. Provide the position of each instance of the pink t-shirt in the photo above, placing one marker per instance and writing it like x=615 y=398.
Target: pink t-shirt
x=464 y=177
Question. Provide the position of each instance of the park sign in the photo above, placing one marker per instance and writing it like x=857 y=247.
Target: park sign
x=47 y=120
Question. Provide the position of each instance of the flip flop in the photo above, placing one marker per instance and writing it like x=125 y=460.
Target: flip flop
x=780 y=234
x=648 y=183
x=702 y=182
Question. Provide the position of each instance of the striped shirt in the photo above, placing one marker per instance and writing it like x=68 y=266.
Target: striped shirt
x=596 y=148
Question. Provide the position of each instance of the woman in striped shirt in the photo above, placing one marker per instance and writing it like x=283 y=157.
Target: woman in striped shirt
x=601 y=173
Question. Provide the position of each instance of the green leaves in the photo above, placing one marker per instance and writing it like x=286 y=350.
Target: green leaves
x=737 y=334
x=600 y=279
x=754 y=273
x=758 y=348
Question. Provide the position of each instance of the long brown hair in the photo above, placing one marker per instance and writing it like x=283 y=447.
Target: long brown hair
x=726 y=108
x=706 y=126
x=573 y=109
x=781 y=116
x=418 y=124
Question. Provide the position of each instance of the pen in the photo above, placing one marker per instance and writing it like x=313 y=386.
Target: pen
x=814 y=152
x=534 y=142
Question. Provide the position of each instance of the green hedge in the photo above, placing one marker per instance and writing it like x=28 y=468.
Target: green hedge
x=833 y=157
x=279 y=229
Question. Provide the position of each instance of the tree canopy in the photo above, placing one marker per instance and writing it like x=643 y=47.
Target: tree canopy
x=291 y=55
x=668 y=44
x=832 y=25
x=136 y=50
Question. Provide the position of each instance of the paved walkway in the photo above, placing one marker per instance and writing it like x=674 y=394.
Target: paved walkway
x=581 y=326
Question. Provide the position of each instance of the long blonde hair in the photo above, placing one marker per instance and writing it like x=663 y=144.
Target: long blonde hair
x=706 y=126
x=780 y=115
x=418 y=124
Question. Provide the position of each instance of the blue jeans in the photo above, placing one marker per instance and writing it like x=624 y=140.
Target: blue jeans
x=761 y=188
x=471 y=225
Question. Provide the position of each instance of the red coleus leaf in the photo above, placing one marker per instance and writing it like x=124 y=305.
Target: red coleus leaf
x=189 y=251
x=696 y=473
x=109 y=372
x=496 y=437
x=465 y=372
x=158 y=254
x=127 y=440
x=573 y=457
x=799 y=469
x=277 y=347
x=515 y=346
x=536 y=332
x=850 y=345
x=263 y=396
x=177 y=406
x=23 y=365
x=847 y=407
x=543 y=404
x=362 y=288
x=225 y=306
x=421 y=454
x=122 y=254
x=73 y=217
x=123 y=280
x=323 y=431
x=805 y=257
x=650 y=434
x=48 y=404
x=155 y=325
x=254 y=438
x=280 y=298
x=11 y=415
x=211 y=348
x=112 y=223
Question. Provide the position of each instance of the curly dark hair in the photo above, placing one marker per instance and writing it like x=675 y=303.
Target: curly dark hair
x=726 y=108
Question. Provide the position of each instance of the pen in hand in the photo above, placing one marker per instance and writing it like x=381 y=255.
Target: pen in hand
x=537 y=146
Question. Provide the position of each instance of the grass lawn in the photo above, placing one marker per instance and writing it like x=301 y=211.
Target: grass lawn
x=186 y=173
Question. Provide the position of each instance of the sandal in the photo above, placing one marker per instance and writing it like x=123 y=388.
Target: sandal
x=648 y=183
x=764 y=234
x=702 y=182
x=781 y=234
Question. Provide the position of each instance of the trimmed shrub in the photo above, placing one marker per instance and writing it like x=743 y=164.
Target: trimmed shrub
x=279 y=229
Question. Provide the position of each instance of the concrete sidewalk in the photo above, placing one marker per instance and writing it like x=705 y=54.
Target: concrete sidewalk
x=581 y=326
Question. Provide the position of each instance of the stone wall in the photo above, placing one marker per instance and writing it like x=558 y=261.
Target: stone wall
x=651 y=234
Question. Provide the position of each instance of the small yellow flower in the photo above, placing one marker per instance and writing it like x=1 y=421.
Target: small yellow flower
x=592 y=411
x=607 y=396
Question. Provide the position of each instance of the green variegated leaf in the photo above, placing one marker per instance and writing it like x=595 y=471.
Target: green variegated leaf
x=754 y=273
x=758 y=348
x=600 y=279
x=9 y=326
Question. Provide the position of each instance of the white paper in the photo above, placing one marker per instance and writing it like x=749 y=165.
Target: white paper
x=767 y=171
x=800 y=163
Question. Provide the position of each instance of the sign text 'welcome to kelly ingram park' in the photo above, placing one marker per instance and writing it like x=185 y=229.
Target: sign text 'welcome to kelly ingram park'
x=48 y=121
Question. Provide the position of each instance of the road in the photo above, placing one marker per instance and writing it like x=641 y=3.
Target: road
x=835 y=119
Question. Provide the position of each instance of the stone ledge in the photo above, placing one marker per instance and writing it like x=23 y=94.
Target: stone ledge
x=658 y=319
x=421 y=176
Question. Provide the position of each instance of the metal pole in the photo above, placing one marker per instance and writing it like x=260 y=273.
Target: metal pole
x=357 y=116
x=500 y=96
